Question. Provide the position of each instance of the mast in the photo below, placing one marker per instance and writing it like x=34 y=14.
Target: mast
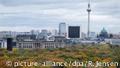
x=88 y=10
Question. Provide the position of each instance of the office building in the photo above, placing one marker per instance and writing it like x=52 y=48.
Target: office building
x=74 y=31
x=62 y=29
x=92 y=35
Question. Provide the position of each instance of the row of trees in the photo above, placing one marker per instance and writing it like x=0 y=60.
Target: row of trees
x=72 y=53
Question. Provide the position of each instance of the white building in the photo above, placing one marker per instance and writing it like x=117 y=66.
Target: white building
x=113 y=41
x=83 y=35
x=62 y=29
x=3 y=44
x=92 y=35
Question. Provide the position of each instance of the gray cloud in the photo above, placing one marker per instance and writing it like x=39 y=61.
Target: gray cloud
x=105 y=13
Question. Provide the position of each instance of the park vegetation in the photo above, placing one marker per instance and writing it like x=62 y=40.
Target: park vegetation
x=101 y=53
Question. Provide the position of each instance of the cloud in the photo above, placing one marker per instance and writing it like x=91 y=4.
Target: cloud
x=33 y=13
x=24 y=2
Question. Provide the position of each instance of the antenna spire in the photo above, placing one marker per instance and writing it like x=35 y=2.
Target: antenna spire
x=89 y=4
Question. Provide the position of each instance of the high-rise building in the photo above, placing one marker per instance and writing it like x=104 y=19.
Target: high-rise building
x=62 y=29
x=74 y=32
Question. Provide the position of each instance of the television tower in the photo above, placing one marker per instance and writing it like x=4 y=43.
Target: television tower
x=88 y=10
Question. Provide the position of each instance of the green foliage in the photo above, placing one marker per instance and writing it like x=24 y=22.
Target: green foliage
x=70 y=53
x=116 y=54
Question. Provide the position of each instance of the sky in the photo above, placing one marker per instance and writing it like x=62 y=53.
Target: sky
x=25 y=15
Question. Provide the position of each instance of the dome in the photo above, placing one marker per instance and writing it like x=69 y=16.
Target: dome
x=104 y=30
x=104 y=33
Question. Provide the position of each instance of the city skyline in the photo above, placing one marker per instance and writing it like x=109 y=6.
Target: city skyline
x=38 y=14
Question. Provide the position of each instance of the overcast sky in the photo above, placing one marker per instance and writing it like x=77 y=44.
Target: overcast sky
x=24 y=15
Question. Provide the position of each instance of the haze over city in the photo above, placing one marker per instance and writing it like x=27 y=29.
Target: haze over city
x=25 y=15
